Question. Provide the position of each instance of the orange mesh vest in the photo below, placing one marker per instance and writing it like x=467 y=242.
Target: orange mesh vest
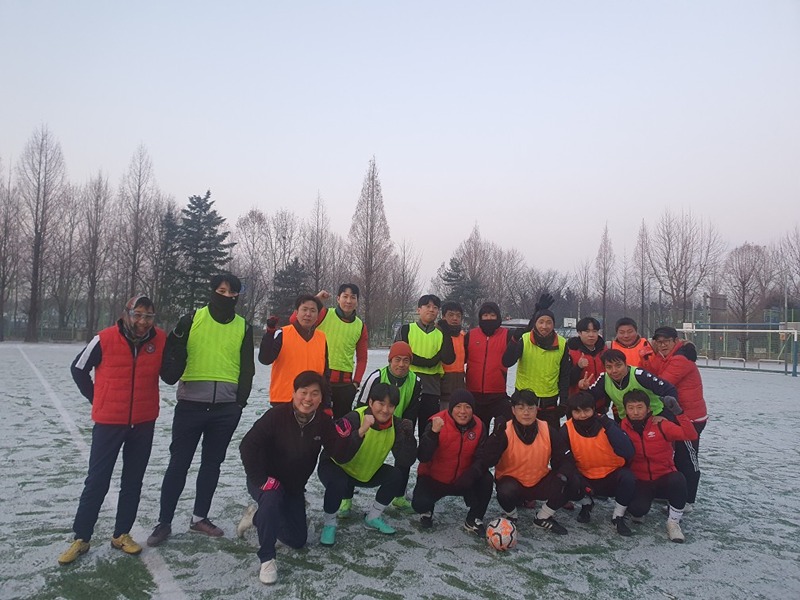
x=528 y=464
x=296 y=356
x=594 y=456
x=457 y=365
x=634 y=354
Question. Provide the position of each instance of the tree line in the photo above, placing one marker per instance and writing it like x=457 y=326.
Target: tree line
x=72 y=253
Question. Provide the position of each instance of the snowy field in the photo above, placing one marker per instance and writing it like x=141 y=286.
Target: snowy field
x=742 y=541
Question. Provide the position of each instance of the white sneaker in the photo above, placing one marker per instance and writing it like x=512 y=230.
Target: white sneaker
x=688 y=508
x=246 y=521
x=674 y=532
x=269 y=572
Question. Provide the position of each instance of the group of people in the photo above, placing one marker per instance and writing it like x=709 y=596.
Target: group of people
x=632 y=415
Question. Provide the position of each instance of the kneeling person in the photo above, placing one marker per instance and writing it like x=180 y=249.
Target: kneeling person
x=279 y=454
x=600 y=450
x=375 y=431
x=523 y=450
x=653 y=460
x=447 y=463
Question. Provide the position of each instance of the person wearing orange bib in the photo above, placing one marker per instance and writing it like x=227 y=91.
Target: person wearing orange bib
x=637 y=350
x=530 y=460
x=295 y=348
x=601 y=451
x=453 y=377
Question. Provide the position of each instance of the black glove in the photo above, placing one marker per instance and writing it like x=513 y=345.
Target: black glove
x=272 y=323
x=183 y=326
x=406 y=427
x=605 y=421
x=671 y=404
x=499 y=424
x=545 y=301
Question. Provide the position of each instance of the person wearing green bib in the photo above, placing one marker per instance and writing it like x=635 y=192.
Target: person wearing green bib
x=211 y=352
x=619 y=379
x=544 y=363
x=374 y=432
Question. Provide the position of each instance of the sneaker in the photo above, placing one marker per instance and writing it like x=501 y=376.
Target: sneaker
x=674 y=532
x=402 y=504
x=246 y=521
x=126 y=544
x=426 y=520
x=269 y=572
x=474 y=525
x=511 y=516
x=637 y=520
x=159 y=535
x=688 y=508
x=550 y=524
x=328 y=535
x=570 y=505
x=621 y=526
x=345 y=507
x=75 y=549
x=207 y=527
x=586 y=514
x=379 y=524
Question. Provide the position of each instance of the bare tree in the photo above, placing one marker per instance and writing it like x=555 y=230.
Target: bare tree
x=744 y=279
x=137 y=192
x=506 y=274
x=625 y=283
x=95 y=242
x=790 y=248
x=62 y=265
x=316 y=233
x=642 y=271
x=252 y=262
x=604 y=270
x=370 y=244
x=683 y=253
x=583 y=277
x=10 y=256
x=41 y=177
x=404 y=289
x=284 y=239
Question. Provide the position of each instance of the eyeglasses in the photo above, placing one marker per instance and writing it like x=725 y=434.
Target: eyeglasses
x=138 y=316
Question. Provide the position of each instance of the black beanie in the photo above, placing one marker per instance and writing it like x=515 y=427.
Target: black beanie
x=543 y=312
x=459 y=396
x=489 y=307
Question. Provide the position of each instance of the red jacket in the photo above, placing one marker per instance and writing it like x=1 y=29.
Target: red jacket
x=653 y=449
x=680 y=369
x=455 y=452
x=126 y=381
x=485 y=371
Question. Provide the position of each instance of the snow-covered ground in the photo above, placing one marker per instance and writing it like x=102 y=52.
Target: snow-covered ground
x=742 y=541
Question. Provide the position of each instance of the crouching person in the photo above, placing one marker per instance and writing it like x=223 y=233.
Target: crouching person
x=522 y=451
x=279 y=454
x=653 y=463
x=447 y=463
x=375 y=431
x=600 y=450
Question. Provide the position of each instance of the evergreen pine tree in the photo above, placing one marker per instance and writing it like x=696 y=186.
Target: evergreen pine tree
x=203 y=249
x=459 y=287
x=288 y=284
x=166 y=267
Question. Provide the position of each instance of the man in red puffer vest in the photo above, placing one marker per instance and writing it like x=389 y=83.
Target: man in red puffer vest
x=126 y=359
x=447 y=463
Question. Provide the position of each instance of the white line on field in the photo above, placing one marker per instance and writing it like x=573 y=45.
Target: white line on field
x=166 y=586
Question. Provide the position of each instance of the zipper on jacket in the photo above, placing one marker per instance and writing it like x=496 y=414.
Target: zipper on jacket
x=460 y=449
x=135 y=350
x=646 y=458
x=485 y=364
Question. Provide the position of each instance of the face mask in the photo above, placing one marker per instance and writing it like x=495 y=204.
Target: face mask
x=222 y=306
x=489 y=326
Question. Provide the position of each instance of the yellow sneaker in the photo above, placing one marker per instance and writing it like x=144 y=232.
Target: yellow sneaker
x=69 y=555
x=126 y=544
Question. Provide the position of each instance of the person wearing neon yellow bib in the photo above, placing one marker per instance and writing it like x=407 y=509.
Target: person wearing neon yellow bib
x=211 y=351
x=375 y=431
x=544 y=363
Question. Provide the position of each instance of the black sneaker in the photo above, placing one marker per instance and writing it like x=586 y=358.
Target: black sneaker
x=159 y=535
x=475 y=525
x=550 y=524
x=586 y=514
x=622 y=526
x=426 y=520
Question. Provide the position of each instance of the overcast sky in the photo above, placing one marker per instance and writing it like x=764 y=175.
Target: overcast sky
x=537 y=120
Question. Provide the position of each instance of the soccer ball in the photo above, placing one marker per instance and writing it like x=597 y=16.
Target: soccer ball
x=501 y=534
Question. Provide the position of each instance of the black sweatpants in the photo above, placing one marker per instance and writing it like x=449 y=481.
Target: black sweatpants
x=429 y=491
x=491 y=406
x=671 y=486
x=342 y=395
x=620 y=483
x=511 y=493
x=281 y=515
x=687 y=461
x=339 y=485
